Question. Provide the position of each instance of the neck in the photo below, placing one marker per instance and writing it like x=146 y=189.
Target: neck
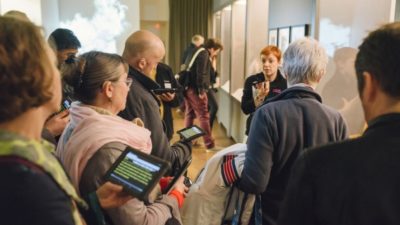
x=311 y=85
x=105 y=104
x=272 y=77
x=28 y=125
x=383 y=105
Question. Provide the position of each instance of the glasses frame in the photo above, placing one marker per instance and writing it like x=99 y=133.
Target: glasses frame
x=128 y=82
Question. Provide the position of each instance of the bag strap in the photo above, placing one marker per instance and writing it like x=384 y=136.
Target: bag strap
x=227 y=206
x=194 y=58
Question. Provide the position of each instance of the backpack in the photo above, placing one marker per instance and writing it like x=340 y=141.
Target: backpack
x=184 y=75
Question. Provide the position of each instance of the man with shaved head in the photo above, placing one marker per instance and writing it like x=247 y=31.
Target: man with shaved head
x=143 y=51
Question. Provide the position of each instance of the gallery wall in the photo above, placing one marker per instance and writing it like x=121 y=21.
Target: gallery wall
x=340 y=26
x=284 y=13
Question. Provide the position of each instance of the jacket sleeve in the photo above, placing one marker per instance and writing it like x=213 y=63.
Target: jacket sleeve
x=134 y=211
x=258 y=162
x=181 y=151
x=297 y=207
x=248 y=106
x=202 y=71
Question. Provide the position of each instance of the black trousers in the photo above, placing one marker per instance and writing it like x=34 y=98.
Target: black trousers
x=212 y=105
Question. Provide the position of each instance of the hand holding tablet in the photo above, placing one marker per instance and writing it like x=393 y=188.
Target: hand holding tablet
x=175 y=179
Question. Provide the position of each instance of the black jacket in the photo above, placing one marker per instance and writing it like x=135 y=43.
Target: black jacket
x=165 y=77
x=354 y=182
x=247 y=104
x=200 y=72
x=187 y=53
x=281 y=129
x=142 y=103
x=28 y=195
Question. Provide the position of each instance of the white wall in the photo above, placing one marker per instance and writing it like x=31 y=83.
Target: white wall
x=154 y=10
x=30 y=7
x=50 y=16
x=289 y=12
x=220 y=4
x=154 y=17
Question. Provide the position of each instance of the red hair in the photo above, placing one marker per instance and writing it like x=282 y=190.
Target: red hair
x=272 y=49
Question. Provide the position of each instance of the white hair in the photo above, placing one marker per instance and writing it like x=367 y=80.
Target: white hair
x=304 y=61
x=197 y=40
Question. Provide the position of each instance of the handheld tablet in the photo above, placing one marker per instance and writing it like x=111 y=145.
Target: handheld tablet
x=160 y=91
x=190 y=133
x=137 y=172
x=181 y=171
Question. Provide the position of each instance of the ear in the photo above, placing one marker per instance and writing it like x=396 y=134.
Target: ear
x=321 y=73
x=108 y=89
x=142 y=63
x=369 y=91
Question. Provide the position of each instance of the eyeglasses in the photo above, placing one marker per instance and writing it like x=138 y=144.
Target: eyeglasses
x=128 y=81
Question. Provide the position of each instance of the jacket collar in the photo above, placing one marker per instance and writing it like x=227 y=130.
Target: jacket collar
x=145 y=81
x=387 y=121
x=296 y=92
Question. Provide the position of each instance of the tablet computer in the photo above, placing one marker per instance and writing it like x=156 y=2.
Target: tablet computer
x=137 y=172
x=160 y=91
x=180 y=173
x=190 y=133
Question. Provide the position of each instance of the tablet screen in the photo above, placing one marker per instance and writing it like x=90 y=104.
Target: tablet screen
x=137 y=172
x=191 y=133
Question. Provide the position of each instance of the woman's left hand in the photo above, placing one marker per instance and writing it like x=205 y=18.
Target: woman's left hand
x=111 y=195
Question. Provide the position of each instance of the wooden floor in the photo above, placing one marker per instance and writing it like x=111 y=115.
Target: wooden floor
x=199 y=153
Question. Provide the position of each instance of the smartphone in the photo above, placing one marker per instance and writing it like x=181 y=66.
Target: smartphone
x=66 y=104
x=257 y=82
x=161 y=91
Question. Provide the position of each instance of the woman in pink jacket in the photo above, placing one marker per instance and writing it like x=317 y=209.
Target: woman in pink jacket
x=96 y=136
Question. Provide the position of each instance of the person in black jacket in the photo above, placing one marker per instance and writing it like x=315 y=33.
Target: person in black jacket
x=357 y=181
x=196 y=100
x=165 y=78
x=264 y=85
x=143 y=51
x=287 y=124
x=197 y=41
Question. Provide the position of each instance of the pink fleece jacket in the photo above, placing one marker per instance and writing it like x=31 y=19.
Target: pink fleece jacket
x=89 y=130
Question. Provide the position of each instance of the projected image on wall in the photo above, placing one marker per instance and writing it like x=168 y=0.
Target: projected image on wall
x=100 y=31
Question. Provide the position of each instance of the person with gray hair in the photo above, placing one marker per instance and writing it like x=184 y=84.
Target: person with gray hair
x=197 y=41
x=287 y=124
